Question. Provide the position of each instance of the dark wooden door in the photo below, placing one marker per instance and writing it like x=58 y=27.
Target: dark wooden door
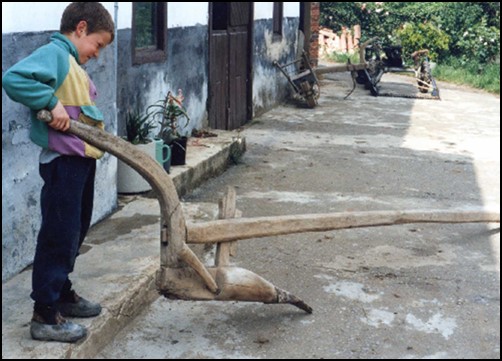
x=229 y=64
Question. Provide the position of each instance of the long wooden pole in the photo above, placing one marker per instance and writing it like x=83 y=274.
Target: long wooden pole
x=226 y=230
x=341 y=68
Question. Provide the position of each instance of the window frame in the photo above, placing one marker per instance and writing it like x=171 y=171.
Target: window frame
x=157 y=53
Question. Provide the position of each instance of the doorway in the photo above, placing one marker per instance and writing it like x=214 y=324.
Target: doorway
x=230 y=39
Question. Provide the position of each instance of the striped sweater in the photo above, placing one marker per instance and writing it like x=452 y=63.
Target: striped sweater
x=49 y=74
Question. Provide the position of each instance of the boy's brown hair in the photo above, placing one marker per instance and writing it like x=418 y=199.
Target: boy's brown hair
x=97 y=18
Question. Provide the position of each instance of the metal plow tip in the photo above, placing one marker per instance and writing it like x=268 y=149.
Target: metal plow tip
x=286 y=297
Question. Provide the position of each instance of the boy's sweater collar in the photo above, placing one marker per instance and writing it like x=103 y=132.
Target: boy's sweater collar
x=62 y=41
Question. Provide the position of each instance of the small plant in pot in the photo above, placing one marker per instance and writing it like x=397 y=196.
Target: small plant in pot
x=171 y=109
x=138 y=132
x=138 y=127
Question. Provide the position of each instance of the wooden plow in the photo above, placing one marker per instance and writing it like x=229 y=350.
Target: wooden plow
x=183 y=276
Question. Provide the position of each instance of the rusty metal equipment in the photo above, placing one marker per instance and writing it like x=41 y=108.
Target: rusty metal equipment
x=302 y=78
x=388 y=59
x=375 y=60
x=182 y=275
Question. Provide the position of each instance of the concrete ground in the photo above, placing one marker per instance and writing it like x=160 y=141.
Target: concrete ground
x=406 y=291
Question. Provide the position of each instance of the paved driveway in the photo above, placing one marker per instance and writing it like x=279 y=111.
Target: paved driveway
x=405 y=291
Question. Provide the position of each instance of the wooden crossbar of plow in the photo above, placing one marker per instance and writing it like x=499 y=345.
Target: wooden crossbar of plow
x=182 y=275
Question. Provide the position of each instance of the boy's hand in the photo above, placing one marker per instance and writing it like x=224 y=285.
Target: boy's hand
x=60 y=118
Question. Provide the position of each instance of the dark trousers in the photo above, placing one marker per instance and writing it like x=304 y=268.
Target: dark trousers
x=67 y=199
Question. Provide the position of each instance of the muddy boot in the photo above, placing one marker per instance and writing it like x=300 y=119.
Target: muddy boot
x=72 y=305
x=47 y=324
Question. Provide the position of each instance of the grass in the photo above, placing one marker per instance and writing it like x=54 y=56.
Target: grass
x=343 y=57
x=485 y=77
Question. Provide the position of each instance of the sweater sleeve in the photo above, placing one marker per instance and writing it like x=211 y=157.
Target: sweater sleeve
x=33 y=80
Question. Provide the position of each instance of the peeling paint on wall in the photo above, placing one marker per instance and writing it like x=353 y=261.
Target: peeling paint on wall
x=269 y=85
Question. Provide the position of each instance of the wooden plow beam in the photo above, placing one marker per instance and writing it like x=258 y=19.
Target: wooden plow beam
x=183 y=276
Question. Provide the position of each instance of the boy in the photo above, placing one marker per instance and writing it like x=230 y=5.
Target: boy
x=51 y=78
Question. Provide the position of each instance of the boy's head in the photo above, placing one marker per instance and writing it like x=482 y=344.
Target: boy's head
x=89 y=26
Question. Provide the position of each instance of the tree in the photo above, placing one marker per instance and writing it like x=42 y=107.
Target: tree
x=469 y=30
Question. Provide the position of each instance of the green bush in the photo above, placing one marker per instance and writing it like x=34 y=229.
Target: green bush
x=462 y=36
x=468 y=30
x=423 y=36
x=474 y=28
x=480 y=43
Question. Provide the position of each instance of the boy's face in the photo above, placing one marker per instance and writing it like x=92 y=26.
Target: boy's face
x=89 y=45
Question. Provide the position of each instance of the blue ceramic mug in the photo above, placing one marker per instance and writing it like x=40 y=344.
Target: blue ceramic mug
x=163 y=153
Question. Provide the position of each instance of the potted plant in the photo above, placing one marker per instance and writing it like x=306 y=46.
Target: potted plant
x=138 y=132
x=138 y=127
x=171 y=109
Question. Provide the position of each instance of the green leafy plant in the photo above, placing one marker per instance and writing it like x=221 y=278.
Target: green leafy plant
x=170 y=109
x=471 y=30
x=138 y=127
x=423 y=36
x=480 y=42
